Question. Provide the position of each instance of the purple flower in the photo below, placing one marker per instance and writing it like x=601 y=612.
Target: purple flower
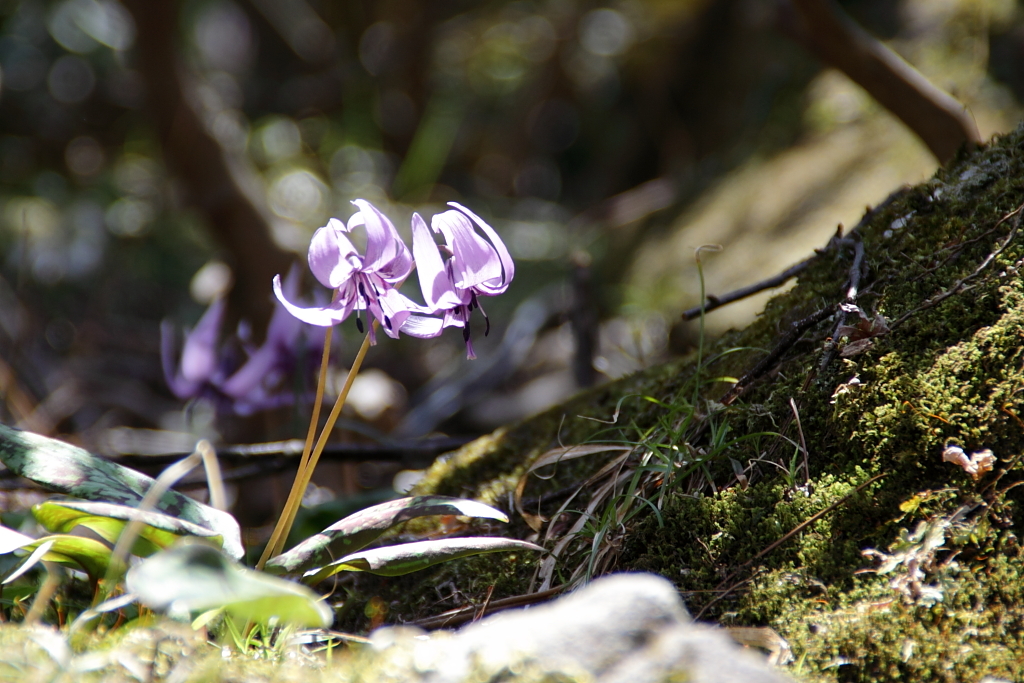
x=360 y=282
x=477 y=267
x=210 y=370
x=258 y=384
x=199 y=363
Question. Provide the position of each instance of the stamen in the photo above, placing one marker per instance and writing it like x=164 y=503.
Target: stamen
x=362 y=291
x=465 y=333
x=387 y=322
x=359 y=324
x=487 y=324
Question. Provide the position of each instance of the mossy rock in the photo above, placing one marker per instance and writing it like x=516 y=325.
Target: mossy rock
x=942 y=262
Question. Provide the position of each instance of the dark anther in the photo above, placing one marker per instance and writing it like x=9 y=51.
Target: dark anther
x=387 y=322
x=359 y=325
x=362 y=291
x=487 y=325
x=465 y=332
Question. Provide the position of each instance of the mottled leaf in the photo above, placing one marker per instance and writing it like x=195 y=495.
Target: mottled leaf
x=68 y=469
x=360 y=529
x=395 y=560
x=196 y=577
x=108 y=520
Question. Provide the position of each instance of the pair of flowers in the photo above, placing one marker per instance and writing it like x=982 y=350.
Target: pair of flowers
x=369 y=282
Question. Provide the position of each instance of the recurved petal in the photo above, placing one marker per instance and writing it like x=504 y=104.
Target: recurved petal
x=332 y=258
x=393 y=308
x=178 y=385
x=324 y=316
x=284 y=329
x=435 y=284
x=386 y=253
x=474 y=260
x=249 y=377
x=498 y=285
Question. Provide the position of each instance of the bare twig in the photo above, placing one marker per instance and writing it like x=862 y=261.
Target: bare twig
x=714 y=302
x=961 y=284
x=828 y=33
x=457 y=617
x=796 y=330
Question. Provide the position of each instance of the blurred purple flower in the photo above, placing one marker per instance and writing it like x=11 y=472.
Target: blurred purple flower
x=360 y=283
x=208 y=370
x=199 y=361
x=257 y=384
x=477 y=267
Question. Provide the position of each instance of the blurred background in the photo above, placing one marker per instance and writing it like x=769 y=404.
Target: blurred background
x=156 y=157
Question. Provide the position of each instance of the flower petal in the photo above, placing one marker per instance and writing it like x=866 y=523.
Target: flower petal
x=178 y=385
x=284 y=329
x=386 y=253
x=435 y=283
x=332 y=258
x=492 y=288
x=324 y=316
x=422 y=327
x=199 y=356
x=474 y=260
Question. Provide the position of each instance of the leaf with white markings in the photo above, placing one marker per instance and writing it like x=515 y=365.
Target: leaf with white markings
x=358 y=530
x=396 y=560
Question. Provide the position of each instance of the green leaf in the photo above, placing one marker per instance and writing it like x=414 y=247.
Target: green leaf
x=77 y=552
x=360 y=529
x=108 y=520
x=395 y=560
x=197 y=577
x=68 y=469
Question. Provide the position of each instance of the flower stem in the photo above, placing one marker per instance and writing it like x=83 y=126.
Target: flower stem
x=306 y=450
x=309 y=459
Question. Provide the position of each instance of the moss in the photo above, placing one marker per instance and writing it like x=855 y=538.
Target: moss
x=950 y=371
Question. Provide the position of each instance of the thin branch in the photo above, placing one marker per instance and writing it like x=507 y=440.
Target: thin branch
x=714 y=302
x=796 y=330
x=829 y=34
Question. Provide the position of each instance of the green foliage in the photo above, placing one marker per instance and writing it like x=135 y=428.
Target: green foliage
x=194 y=577
x=108 y=520
x=404 y=558
x=184 y=574
x=944 y=259
x=62 y=467
x=361 y=528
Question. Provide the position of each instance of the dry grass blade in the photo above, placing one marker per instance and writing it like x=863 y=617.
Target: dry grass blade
x=600 y=497
x=556 y=455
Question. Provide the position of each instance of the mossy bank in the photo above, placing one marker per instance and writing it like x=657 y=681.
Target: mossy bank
x=940 y=264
